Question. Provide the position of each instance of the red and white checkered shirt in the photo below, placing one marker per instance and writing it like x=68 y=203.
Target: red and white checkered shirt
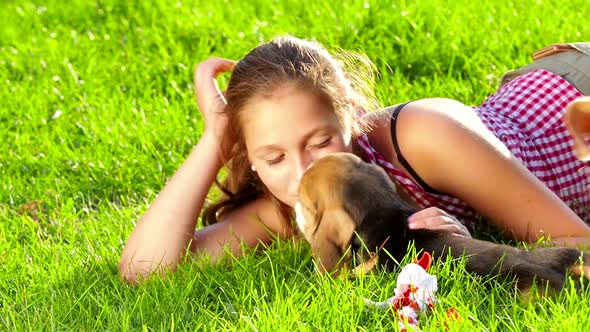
x=526 y=114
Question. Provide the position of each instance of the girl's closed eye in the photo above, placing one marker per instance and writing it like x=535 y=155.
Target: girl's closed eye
x=322 y=143
x=275 y=161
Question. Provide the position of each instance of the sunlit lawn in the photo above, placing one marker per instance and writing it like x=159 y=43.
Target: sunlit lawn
x=97 y=111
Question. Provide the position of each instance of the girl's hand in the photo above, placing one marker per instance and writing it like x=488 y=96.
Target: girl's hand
x=210 y=99
x=436 y=219
x=577 y=120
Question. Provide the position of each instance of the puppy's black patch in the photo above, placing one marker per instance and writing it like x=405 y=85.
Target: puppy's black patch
x=388 y=228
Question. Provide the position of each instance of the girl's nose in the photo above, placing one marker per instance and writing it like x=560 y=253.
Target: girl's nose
x=302 y=165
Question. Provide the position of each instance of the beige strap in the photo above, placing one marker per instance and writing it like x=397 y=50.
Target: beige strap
x=582 y=47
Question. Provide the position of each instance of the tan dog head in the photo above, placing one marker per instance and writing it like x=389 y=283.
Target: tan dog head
x=335 y=195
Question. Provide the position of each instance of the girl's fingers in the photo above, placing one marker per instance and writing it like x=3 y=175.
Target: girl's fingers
x=438 y=222
x=451 y=228
x=213 y=67
x=431 y=222
x=430 y=212
x=206 y=87
x=455 y=229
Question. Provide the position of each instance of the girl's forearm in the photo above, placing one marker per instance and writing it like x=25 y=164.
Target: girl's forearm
x=163 y=234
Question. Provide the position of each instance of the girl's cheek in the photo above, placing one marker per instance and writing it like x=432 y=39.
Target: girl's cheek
x=338 y=146
x=274 y=181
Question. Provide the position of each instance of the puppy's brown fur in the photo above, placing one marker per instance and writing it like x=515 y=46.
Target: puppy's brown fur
x=346 y=205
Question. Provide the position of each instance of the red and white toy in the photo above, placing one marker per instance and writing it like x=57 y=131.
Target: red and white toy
x=414 y=293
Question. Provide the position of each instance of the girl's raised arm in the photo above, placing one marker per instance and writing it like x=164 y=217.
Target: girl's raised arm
x=455 y=153
x=165 y=230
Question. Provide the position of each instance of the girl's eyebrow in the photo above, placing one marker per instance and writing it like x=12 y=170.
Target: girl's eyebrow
x=273 y=147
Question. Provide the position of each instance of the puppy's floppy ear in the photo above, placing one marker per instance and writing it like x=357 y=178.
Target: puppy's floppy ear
x=332 y=239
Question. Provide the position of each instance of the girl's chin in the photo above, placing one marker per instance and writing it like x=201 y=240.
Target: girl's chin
x=291 y=203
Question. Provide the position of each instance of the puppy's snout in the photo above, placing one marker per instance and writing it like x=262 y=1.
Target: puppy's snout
x=299 y=218
x=301 y=221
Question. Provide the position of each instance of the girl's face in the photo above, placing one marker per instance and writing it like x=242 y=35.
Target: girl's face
x=285 y=133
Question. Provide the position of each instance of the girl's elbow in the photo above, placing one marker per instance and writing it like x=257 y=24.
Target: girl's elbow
x=128 y=271
x=135 y=271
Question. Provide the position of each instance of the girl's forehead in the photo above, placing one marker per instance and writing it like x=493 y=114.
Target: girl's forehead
x=285 y=117
x=295 y=108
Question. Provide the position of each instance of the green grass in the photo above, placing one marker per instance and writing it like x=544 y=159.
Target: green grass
x=97 y=111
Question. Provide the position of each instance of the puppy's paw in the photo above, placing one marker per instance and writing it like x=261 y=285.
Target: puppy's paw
x=552 y=265
x=367 y=266
x=582 y=267
x=580 y=271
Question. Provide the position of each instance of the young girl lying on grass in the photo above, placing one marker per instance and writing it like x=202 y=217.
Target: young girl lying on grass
x=289 y=102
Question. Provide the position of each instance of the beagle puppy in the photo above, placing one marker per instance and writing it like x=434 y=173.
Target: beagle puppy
x=348 y=208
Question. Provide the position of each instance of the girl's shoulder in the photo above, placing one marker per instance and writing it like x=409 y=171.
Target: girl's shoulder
x=414 y=122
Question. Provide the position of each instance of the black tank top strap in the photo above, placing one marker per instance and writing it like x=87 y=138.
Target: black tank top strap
x=401 y=158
